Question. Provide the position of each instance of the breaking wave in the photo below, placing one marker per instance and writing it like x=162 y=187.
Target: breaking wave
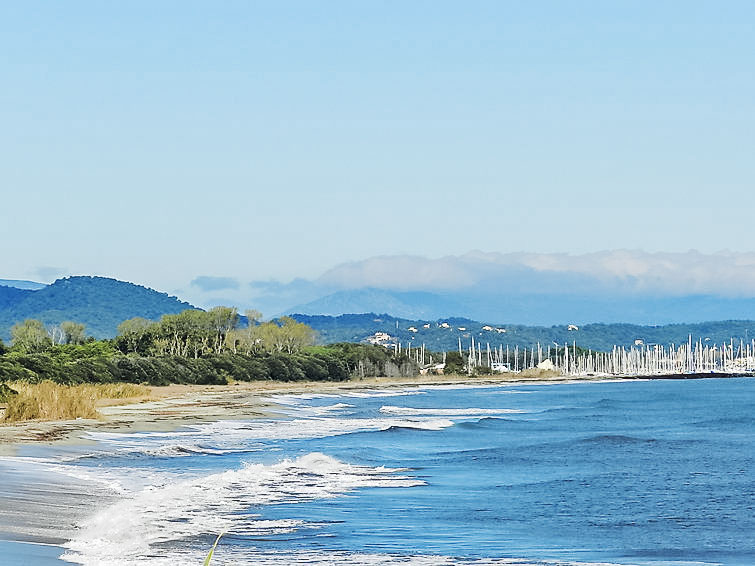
x=147 y=523
x=390 y=410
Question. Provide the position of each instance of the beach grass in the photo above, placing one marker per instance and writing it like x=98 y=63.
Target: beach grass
x=212 y=551
x=52 y=401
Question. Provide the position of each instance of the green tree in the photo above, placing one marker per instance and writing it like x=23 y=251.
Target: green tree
x=134 y=335
x=454 y=363
x=295 y=335
x=73 y=332
x=253 y=317
x=30 y=336
x=222 y=321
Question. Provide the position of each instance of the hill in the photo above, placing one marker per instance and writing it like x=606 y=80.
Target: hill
x=99 y=302
x=444 y=334
x=525 y=307
x=22 y=284
x=406 y=304
x=10 y=296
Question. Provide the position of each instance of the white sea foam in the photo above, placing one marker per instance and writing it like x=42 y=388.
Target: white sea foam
x=298 y=399
x=316 y=427
x=148 y=522
x=471 y=412
x=240 y=436
x=234 y=556
x=297 y=410
x=320 y=558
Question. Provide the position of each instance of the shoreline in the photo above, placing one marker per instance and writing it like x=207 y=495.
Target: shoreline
x=170 y=407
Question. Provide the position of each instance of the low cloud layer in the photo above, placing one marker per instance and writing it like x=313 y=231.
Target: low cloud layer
x=209 y=283
x=617 y=271
x=48 y=273
x=478 y=282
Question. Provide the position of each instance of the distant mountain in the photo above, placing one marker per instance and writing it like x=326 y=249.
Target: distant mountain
x=10 y=296
x=444 y=334
x=99 y=302
x=522 y=307
x=407 y=304
x=22 y=284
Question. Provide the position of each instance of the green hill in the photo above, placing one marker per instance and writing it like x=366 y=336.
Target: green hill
x=10 y=296
x=444 y=334
x=99 y=302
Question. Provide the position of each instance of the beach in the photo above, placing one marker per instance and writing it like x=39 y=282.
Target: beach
x=433 y=470
x=172 y=406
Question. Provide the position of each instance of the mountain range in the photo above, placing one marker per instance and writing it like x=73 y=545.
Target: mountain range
x=533 y=309
x=447 y=333
x=423 y=317
x=626 y=286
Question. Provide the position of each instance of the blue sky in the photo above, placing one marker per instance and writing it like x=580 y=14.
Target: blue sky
x=158 y=142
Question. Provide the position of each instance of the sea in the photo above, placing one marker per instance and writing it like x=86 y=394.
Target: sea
x=619 y=473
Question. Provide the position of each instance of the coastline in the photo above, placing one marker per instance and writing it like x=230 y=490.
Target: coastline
x=173 y=406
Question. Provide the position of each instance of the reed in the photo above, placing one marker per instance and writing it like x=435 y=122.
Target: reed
x=212 y=551
x=51 y=401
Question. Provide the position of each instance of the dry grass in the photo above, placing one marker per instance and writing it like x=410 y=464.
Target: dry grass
x=50 y=401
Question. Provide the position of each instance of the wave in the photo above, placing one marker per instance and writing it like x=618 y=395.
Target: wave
x=138 y=527
x=433 y=424
x=299 y=398
x=391 y=410
x=743 y=420
x=165 y=451
x=486 y=422
x=608 y=403
x=240 y=555
x=316 y=411
x=239 y=437
x=616 y=439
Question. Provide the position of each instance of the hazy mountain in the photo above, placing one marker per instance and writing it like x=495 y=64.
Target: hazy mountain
x=99 y=302
x=444 y=334
x=407 y=304
x=538 y=309
x=22 y=284
x=10 y=296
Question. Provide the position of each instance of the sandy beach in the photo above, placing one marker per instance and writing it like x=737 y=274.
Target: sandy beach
x=173 y=406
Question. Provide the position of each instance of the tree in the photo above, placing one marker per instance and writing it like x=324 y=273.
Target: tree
x=73 y=332
x=55 y=332
x=295 y=335
x=253 y=317
x=133 y=335
x=454 y=363
x=222 y=320
x=30 y=336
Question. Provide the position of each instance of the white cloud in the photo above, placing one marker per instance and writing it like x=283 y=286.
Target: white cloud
x=723 y=273
x=497 y=277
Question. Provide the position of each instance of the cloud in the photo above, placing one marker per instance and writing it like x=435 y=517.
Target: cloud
x=483 y=280
x=49 y=273
x=402 y=272
x=209 y=283
x=613 y=271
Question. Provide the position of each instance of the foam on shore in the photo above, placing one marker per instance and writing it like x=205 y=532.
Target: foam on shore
x=160 y=517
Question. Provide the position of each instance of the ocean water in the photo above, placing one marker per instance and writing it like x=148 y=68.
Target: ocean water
x=633 y=473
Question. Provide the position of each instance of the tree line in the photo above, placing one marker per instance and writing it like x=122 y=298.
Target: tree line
x=195 y=333
x=193 y=346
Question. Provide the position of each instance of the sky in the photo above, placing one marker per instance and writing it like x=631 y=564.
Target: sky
x=166 y=142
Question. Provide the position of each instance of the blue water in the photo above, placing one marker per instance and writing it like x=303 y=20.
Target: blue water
x=630 y=473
